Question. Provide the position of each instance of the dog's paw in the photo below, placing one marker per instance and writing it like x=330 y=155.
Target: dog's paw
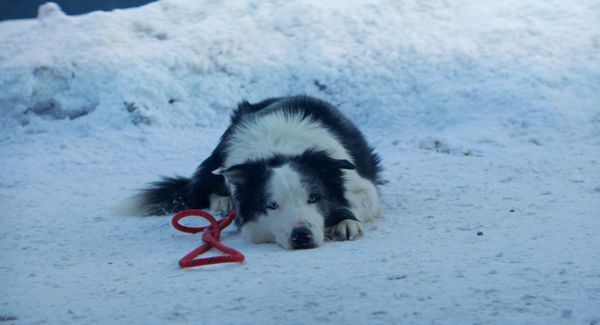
x=221 y=204
x=347 y=229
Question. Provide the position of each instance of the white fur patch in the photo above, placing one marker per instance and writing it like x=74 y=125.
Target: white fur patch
x=257 y=232
x=221 y=204
x=280 y=133
x=362 y=196
x=347 y=230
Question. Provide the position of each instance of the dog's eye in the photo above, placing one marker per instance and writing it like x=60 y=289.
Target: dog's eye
x=272 y=205
x=314 y=197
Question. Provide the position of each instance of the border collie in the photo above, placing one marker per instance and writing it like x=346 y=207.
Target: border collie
x=295 y=168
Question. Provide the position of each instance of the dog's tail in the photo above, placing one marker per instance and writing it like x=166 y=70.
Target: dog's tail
x=169 y=195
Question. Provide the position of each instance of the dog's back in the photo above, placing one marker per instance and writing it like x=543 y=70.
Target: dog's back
x=271 y=127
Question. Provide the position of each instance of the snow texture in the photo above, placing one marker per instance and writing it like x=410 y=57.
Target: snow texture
x=486 y=115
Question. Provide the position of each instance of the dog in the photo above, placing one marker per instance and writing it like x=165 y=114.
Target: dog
x=296 y=170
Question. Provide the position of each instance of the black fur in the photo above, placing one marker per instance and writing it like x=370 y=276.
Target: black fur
x=338 y=215
x=326 y=176
x=174 y=194
x=250 y=180
x=167 y=195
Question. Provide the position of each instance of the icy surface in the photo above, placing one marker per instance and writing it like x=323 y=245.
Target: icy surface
x=486 y=115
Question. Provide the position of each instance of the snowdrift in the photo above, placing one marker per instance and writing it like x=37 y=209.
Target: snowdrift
x=386 y=63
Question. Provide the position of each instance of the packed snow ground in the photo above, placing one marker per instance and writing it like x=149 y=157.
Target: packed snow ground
x=486 y=116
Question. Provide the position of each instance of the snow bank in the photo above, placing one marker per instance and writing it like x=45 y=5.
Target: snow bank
x=186 y=63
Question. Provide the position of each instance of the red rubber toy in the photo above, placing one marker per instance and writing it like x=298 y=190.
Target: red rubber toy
x=210 y=237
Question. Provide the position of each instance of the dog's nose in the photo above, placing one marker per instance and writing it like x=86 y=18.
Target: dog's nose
x=302 y=238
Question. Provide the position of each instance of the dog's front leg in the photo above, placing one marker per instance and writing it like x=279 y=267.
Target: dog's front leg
x=221 y=204
x=341 y=224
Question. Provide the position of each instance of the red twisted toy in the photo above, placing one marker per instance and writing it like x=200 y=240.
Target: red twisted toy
x=210 y=237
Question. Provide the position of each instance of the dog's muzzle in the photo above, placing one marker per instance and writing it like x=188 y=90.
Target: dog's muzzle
x=302 y=238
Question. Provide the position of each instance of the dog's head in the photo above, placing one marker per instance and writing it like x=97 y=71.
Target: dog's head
x=288 y=199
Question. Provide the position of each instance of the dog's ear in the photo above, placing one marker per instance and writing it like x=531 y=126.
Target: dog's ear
x=323 y=161
x=343 y=164
x=239 y=174
x=234 y=174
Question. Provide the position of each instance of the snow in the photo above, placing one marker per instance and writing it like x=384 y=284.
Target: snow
x=486 y=116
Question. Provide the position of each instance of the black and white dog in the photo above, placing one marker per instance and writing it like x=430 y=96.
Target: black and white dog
x=295 y=169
